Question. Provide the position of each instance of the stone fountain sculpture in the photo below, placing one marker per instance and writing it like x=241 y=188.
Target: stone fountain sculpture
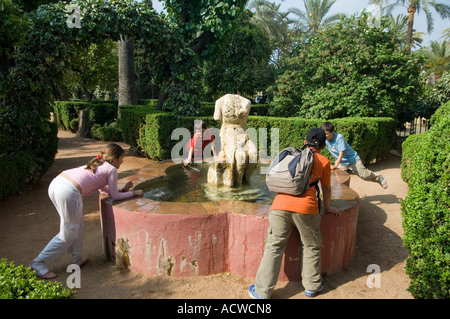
x=238 y=157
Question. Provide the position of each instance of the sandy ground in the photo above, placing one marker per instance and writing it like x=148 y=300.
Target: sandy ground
x=29 y=220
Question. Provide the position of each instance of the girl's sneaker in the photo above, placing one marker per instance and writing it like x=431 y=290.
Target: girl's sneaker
x=313 y=293
x=252 y=293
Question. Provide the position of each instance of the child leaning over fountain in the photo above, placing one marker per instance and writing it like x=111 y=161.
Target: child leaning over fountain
x=67 y=191
x=302 y=212
x=196 y=145
x=346 y=157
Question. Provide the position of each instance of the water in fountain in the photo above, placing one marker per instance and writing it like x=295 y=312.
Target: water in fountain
x=190 y=185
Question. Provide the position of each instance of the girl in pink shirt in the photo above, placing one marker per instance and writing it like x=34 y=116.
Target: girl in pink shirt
x=67 y=191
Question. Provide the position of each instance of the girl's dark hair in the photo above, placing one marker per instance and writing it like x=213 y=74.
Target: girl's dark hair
x=111 y=152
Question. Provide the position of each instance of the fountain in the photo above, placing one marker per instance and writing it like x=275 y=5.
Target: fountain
x=238 y=157
x=202 y=235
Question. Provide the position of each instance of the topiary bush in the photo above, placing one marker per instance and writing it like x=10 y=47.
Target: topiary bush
x=370 y=137
x=426 y=208
x=106 y=132
x=20 y=282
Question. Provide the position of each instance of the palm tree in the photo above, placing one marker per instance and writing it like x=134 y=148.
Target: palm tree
x=314 y=17
x=272 y=21
x=438 y=58
x=398 y=26
x=446 y=34
x=416 y=6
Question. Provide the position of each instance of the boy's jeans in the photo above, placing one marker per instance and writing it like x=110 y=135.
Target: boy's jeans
x=280 y=227
x=360 y=170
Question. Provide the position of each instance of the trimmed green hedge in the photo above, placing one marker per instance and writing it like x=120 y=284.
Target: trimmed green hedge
x=426 y=208
x=370 y=137
x=99 y=112
x=20 y=282
x=130 y=121
x=257 y=109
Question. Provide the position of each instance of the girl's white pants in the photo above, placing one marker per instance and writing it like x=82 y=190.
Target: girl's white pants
x=69 y=204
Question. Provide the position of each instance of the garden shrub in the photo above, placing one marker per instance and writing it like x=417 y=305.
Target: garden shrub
x=67 y=111
x=20 y=282
x=99 y=112
x=20 y=165
x=130 y=120
x=370 y=137
x=110 y=133
x=425 y=210
x=155 y=135
x=207 y=109
x=349 y=70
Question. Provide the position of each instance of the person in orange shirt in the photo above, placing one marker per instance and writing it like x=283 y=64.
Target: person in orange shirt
x=299 y=211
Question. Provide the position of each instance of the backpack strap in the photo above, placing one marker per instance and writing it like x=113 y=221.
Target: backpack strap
x=316 y=183
x=319 y=200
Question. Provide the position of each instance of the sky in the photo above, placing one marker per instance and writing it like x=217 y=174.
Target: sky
x=356 y=6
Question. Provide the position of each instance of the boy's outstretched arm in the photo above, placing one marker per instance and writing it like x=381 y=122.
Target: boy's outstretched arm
x=336 y=163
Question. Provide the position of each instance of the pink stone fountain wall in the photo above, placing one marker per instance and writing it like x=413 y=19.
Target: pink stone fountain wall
x=195 y=239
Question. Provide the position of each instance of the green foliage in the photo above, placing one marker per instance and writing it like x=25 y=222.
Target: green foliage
x=130 y=121
x=213 y=16
x=94 y=67
x=370 y=137
x=13 y=23
x=67 y=113
x=106 y=133
x=20 y=282
x=242 y=65
x=425 y=210
x=155 y=135
x=13 y=170
x=347 y=70
x=49 y=46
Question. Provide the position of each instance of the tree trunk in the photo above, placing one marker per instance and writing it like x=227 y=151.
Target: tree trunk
x=127 y=77
x=411 y=12
x=82 y=123
x=162 y=97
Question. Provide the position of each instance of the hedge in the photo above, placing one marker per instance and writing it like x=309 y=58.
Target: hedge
x=20 y=166
x=425 y=210
x=20 y=282
x=370 y=137
x=99 y=112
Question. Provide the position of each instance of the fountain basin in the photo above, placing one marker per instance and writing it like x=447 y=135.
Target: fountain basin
x=201 y=238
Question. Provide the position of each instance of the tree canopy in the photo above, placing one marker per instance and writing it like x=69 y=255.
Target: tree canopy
x=351 y=69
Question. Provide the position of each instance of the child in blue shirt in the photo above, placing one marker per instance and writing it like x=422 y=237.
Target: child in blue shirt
x=347 y=158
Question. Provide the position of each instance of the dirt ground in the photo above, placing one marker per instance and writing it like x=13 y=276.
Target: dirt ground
x=29 y=220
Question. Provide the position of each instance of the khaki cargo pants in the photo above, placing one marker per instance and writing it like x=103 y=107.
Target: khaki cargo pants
x=280 y=227
x=360 y=170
